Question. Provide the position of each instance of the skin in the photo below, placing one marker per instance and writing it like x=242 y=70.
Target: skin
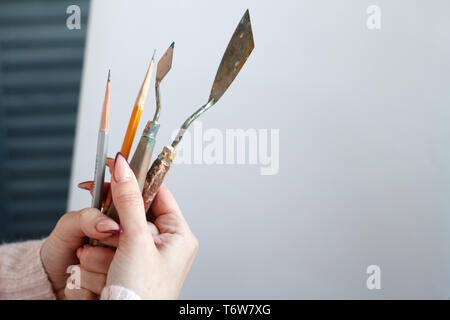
x=58 y=251
x=151 y=258
x=94 y=263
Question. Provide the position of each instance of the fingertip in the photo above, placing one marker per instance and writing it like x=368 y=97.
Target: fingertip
x=88 y=212
x=96 y=225
x=112 y=241
x=166 y=194
x=79 y=252
x=164 y=202
x=127 y=197
x=107 y=225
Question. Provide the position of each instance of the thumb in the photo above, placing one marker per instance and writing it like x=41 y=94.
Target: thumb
x=73 y=227
x=127 y=198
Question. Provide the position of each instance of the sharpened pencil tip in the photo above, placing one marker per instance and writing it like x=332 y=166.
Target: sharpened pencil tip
x=104 y=120
x=153 y=57
x=173 y=44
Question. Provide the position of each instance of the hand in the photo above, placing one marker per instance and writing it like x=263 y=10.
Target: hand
x=93 y=268
x=152 y=259
x=58 y=251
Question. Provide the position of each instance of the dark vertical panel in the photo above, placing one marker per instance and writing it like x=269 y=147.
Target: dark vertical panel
x=40 y=73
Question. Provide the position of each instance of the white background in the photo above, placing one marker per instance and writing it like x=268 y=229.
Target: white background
x=364 y=140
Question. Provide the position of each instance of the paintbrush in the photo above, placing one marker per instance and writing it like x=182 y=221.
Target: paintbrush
x=144 y=150
x=133 y=123
x=102 y=150
x=236 y=53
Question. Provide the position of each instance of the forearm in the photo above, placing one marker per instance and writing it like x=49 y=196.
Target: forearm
x=22 y=276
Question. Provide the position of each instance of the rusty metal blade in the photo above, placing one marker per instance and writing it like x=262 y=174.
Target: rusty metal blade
x=165 y=63
x=237 y=52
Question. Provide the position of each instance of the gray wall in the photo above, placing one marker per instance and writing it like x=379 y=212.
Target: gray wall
x=40 y=73
x=364 y=135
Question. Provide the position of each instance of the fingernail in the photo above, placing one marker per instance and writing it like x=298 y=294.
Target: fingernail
x=114 y=231
x=105 y=225
x=122 y=171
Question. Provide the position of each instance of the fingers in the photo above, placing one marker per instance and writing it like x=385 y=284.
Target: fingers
x=94 y=282
x=73 y=228
x=79 y=294
x=74 y=289
x=95 y=259
x=112 y=241
x=88 y=279
x=127 y=198
x=164 y=202
x=152 y=229
x=167 y=213
x=84 y=284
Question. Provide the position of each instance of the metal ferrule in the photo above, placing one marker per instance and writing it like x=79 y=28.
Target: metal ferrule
x=143 y=154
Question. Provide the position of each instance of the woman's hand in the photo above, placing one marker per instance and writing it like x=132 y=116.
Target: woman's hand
x=58 y=251
x=152 y=259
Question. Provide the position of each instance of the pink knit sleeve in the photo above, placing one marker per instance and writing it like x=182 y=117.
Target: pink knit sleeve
x=113 y=292
x=22 y=275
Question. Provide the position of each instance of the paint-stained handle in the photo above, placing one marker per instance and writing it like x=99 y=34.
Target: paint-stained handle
x=156 y=175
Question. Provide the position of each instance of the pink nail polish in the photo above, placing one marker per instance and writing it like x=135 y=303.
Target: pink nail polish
x=105 y=225
x=114 y=231
x=122 y=170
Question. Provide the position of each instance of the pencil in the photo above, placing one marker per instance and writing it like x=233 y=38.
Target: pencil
x=133 y=123
x=102 y=150
x=137 y=112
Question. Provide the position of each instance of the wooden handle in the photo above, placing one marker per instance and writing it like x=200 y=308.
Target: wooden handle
x=156 y=175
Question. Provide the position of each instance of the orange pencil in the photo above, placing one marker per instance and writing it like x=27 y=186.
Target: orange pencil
x=133 y=123
x=137 y=112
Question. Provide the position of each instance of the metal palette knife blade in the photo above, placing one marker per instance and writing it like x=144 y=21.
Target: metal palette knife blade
x=237 y=52
x=165 y=63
